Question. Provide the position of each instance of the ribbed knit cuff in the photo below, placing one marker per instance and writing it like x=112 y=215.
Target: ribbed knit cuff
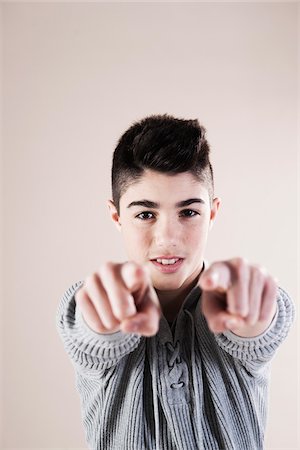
x=87 y=348
x=261 y=347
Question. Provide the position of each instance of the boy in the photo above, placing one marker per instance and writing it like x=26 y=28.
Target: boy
x=168 y=352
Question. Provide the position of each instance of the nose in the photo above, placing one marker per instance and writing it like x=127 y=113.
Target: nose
x=166 y=233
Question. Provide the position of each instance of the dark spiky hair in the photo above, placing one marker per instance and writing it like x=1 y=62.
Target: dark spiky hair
x=162 y=143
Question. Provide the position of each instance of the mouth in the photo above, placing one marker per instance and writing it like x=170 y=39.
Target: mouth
x=167 y=264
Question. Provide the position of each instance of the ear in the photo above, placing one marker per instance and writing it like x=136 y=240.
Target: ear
x=214 y=210
x=114 y=214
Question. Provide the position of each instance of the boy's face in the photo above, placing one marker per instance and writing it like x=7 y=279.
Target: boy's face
x=164 y=228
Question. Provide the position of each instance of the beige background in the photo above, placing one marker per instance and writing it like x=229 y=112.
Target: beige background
x=75 y=76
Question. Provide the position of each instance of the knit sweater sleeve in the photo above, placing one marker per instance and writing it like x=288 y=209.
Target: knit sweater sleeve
x=88 y=350
x=254 y=352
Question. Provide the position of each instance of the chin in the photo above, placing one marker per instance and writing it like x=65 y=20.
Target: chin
x=167 y=284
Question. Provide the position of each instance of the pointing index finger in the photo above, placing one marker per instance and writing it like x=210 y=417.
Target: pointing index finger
x=217 y=277
x=133 y=276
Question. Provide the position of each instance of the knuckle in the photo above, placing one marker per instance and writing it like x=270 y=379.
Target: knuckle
x=258 y=273
x=262 y=270
x=240 y=261
x=91 y=280
x=106 y=267
x=271 y=280
x=240 y=265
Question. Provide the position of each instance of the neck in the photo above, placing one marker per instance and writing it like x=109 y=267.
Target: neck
x=171 y=301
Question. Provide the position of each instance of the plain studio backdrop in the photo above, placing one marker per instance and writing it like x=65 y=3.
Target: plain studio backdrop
x=74 y=78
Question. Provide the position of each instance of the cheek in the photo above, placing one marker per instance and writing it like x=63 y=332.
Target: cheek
x=136 y=239
x=196 y=235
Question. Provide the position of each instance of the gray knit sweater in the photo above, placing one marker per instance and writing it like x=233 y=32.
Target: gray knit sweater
x=185 y=388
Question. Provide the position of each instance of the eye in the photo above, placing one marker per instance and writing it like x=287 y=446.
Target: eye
x=145 y=215
x=189 y=213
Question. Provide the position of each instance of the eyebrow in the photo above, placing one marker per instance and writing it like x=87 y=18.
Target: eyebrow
x=150 y=204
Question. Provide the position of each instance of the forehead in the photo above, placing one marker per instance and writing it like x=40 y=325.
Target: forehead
x=165 y=188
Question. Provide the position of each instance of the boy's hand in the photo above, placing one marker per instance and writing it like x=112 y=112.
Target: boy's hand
x=120 y=297
x=238 y=296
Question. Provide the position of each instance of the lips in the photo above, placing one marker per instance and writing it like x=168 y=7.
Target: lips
x=167 y=264
x=166 y=257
